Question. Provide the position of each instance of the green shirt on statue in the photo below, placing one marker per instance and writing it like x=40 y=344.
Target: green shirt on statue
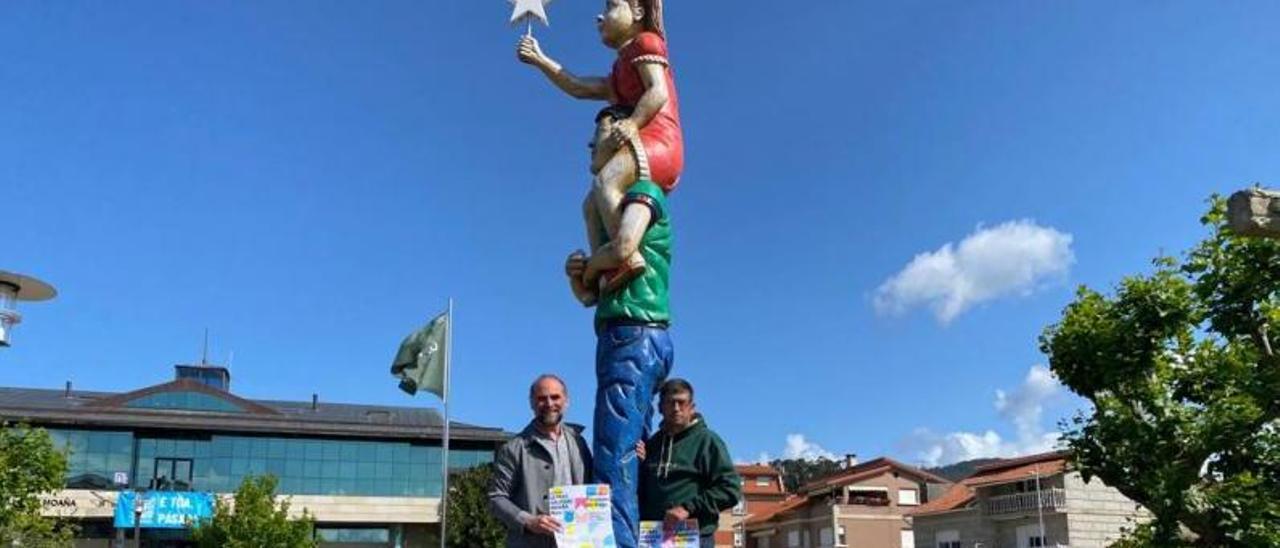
x=645 y=298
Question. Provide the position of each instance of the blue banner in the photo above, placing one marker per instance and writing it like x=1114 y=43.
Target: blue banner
x=164 y=509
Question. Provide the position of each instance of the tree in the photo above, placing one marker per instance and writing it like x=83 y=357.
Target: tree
x=798 y=472
x=470 y=523
x=1181 y=369
x=30 y=465
x=256 y=520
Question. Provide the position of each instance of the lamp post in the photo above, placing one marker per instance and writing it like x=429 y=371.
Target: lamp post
x=138 y=503
x=1044 y=541
x=18 y=287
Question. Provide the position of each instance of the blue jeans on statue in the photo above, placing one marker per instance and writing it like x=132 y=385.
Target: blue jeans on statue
x=631 y=363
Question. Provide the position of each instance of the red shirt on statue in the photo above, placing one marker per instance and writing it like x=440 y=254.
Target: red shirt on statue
x=662 y=138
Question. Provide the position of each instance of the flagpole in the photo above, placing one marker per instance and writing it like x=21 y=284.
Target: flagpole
x=448 y=359
x=444 y=460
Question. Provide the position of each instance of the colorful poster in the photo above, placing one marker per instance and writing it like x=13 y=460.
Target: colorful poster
x=586 y=513
x=681 y=534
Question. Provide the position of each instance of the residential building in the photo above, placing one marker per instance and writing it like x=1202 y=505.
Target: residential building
x=864 y=505
x=762 y=492
x=1027 y=502
x=369 y=475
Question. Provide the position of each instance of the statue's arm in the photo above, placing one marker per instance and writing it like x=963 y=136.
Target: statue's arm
x=581 y=87
x=631 y=228
x=656 y=94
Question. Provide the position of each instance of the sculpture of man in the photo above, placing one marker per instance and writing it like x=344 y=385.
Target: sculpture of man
x=648 y=143
x=633 y=350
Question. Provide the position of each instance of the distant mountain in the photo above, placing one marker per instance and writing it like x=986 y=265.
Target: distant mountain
x=960 y=470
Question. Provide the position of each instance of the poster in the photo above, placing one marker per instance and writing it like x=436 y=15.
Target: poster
x=681 y=534
x=163 y=509
x=586 y=513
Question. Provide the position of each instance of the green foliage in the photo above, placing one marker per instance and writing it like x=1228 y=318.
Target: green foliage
x=797 y=472
x=1185 y=390
x=30 y=466
x=470 y=523
x=960 y=470
x=256 y=520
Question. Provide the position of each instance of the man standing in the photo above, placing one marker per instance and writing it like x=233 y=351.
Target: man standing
x=687 y=472
x=545 y=454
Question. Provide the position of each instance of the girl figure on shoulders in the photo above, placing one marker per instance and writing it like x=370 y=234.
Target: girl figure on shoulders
x=648 y=144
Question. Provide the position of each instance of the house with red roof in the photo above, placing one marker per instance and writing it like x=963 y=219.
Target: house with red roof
x=1028 y=502
x=865 y=504
x=762 y=492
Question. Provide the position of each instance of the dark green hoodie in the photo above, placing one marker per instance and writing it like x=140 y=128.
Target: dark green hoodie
x=690 y=469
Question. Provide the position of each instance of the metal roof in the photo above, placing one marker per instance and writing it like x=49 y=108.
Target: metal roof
x=107 y=409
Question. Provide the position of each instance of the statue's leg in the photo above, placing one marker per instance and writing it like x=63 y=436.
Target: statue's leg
x=609 y=187
x=611 y=184
x=631 y=363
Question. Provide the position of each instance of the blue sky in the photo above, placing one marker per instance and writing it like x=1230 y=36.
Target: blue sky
x=883 y=204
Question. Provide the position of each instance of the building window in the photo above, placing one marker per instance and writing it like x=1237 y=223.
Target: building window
x=737 y=539
x=868 y=497
x=824 y=536
x=171 y=475
x=793 y=539
x=307 y=466
x=762 y=481
x=1026 y=486
x=94 y=458
x=841 y=538
x=1029 y=536
x=762 y=542
x=947 y=539
x=186 y=401
x=908 y=497
x=354 y=535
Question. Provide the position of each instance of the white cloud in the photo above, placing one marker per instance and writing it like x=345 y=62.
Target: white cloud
x=1014 y=258
x=1023 y=407
x=800 y=448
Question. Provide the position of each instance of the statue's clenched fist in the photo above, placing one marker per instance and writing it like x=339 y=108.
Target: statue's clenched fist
x=528 y=51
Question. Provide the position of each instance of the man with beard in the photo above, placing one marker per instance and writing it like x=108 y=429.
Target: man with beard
x=545 y=454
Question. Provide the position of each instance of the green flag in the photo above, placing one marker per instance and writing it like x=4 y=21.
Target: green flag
x=421 y=360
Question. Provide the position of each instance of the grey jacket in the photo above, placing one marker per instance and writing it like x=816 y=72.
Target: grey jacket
x=522 y=473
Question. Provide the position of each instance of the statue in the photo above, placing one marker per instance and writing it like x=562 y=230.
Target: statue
x=1255 y=212
x=637 y=157
x=647 y=144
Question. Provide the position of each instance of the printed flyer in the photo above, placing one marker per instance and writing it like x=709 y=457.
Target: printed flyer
x=586 y=513
x=681 y=534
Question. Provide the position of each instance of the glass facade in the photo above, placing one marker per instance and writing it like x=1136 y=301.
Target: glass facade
x=189 y=401
x=93 y=458
x=303 y=466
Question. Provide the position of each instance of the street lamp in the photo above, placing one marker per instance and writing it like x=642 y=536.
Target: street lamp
x=17 y=287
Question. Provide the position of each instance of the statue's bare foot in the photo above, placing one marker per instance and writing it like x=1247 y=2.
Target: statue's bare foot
x=618 y=278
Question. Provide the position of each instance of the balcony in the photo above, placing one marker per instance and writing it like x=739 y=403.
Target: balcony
x=1051 y=500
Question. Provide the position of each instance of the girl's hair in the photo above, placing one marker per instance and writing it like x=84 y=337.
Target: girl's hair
x=652 y=16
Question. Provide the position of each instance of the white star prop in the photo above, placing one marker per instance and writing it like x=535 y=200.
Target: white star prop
x=528 y=10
